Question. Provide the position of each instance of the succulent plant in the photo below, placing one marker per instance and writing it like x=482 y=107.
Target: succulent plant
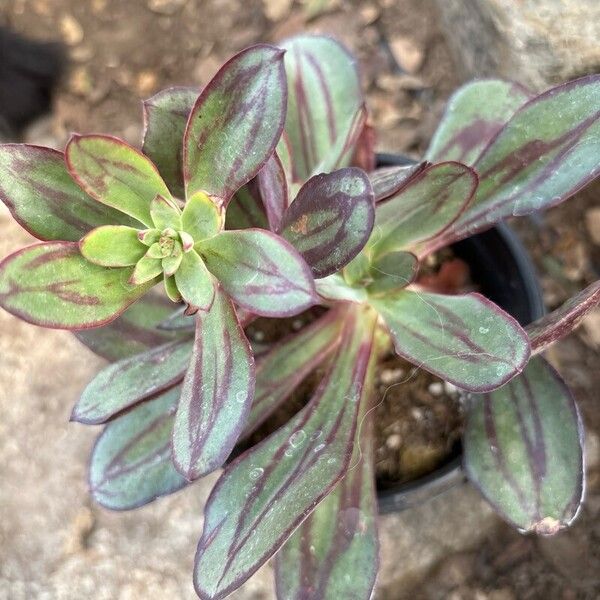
x=258 y=196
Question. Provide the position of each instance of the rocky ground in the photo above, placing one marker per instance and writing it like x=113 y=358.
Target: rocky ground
x=54 y=543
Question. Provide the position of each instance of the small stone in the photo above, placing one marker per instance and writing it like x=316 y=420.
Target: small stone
x=80 y=82
x=166 y=7
x=276 y=10
x=388 y=376
x=591 y=328
x=450 y=388
x=407 y=54
x=394 y=441
x=436 y=388
x=592 y=223
x=71 y=30
x=146 y=82
x=369 y=14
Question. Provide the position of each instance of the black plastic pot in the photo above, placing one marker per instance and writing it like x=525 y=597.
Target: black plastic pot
x=505 y=274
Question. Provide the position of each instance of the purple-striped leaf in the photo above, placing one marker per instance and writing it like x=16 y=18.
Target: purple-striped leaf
x=473 y=116
x=131 y=462
x=427 y=205
x=131 y=380
x=466 y=340
x=260 y=271
x=523 y=449
x=391 y=272
x=235 y=123
x=324 y=97
x=268 y=491
x=217 y=392
x=331 y=219
x=284 y=367
x=388 y=181
x=43 y=198
x=136 y=330
x=560 y=322
x=115 y=173
x=52 y=285
x=546 y=152
x=273 y=187
x=165 y=117
x=246 y=209
x=334 y=553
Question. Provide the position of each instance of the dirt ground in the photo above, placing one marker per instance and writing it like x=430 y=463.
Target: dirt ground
x=54 y=543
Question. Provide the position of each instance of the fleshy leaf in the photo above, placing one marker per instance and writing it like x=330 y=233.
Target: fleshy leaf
x=466 y=340
x=392 y=272
x=323 y=98
x=147 y=269
x=235 y=123
x=473 y=116
x=201 y=218
x=560 y=322
x=165 y=213
x=334 y=553
x=194 y=282
x=115 y=174
x=523 y=449
x=217 y=392
x=165 y=118
x=135 y=331
x=131 y=462
x=388 y=181
x=171 y=288
x=112 y=246
x=282 y=369
x=331 y=219
x=334 y=287
x=267 y=492
x=273 y=186
x=428 y=203
x=260 y=271
x=43 y=198
x=126 y=382
x=548 y=150
x=52 y=285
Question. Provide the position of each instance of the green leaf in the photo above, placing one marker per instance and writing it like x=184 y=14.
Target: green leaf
x=388 y=181
x=391 y=272
x=272 y=184
x=331 y=219
x=201 y=218
x=171 y=289
x=285 y=366
x=334 y=552
x=112 y=246
x=523 y=449
x=235 y=123
x=560 y=322
x=131 y=380
x=466 y=340
x=41 y=196
x=334 y=287
x=52 y=285
x=426 y=205
x=194 y=282
x=546 y=152
x=135 y=331
x=115 y=174
x=165 y=118
x=131 y=461
x=267 y=492
x=165 y=213
x=146 y=269
x=217 y=392
x=260 y=271
x=473 y=116
x=324 y=97
x=170 y=264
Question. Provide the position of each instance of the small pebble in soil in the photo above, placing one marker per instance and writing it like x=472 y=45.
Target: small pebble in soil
x=436 y=388
x=394 y=441
x=388 y=376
